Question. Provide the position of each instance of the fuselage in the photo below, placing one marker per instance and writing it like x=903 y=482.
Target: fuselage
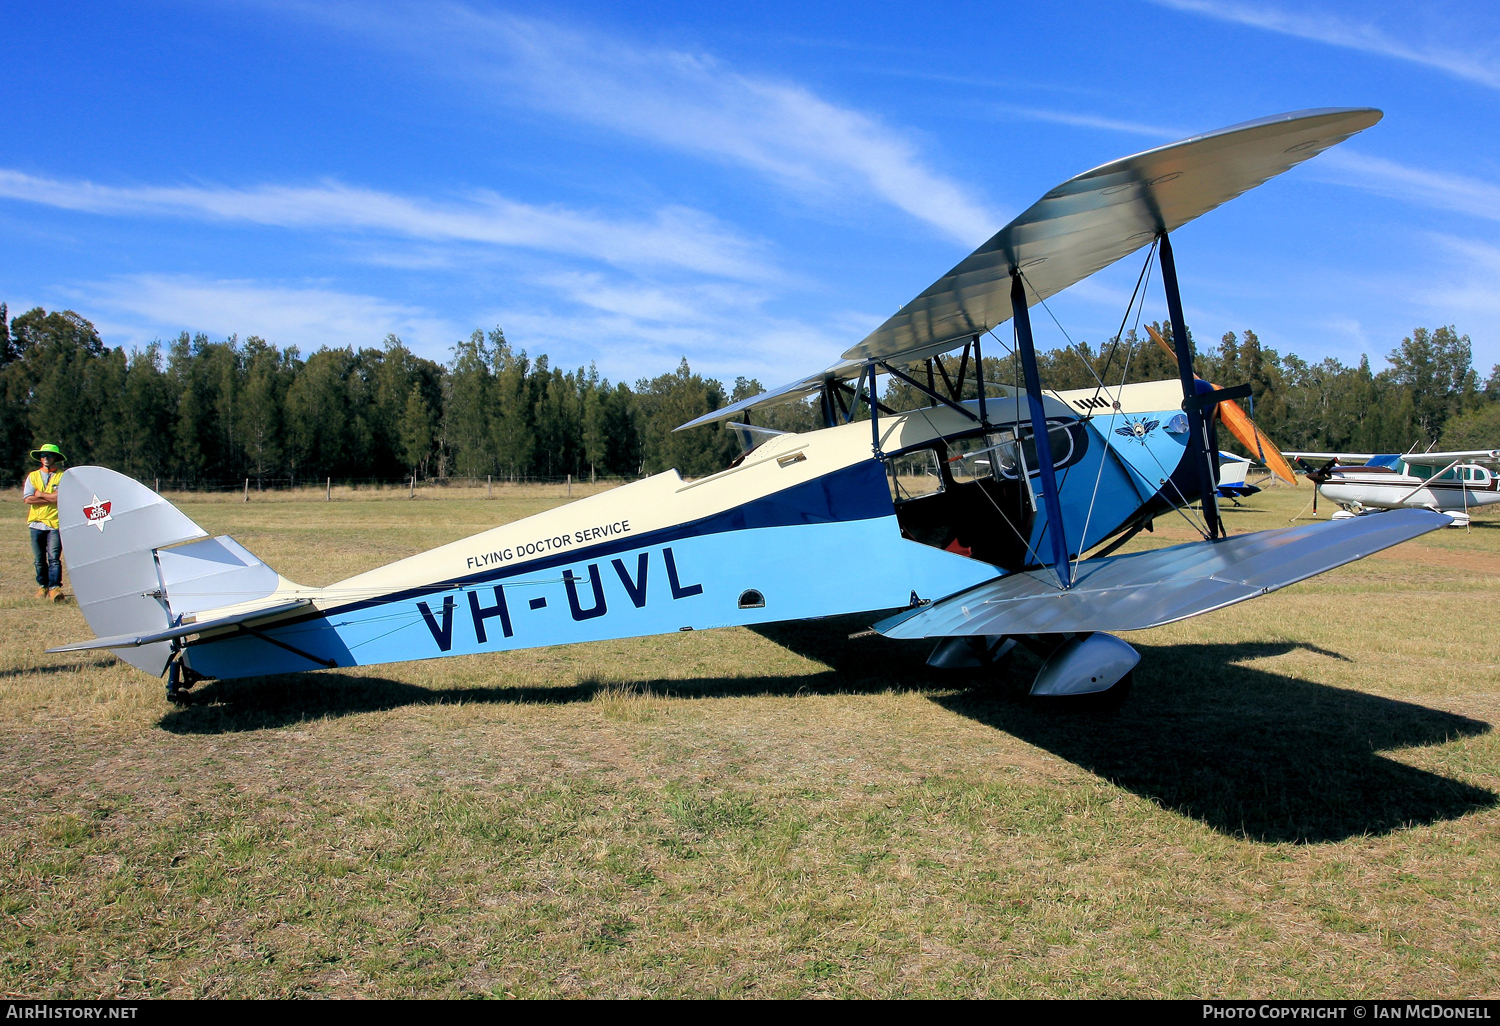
x=1400 y=485
x=839 y=520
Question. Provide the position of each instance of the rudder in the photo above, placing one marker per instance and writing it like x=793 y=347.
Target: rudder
x=111 y=529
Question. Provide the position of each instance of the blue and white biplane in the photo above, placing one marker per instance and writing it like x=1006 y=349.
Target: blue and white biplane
x=978 y=522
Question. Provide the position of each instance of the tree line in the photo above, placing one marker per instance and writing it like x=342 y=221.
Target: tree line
x=1430 y=395
x=199 y=412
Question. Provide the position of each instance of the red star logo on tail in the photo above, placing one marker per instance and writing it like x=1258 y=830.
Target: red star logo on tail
x=97 y=514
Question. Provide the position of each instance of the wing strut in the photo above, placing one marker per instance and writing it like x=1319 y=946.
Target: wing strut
x=1027 y=348
x=1204 y=447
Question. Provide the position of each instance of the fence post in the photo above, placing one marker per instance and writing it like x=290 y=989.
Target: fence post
x=489 y=486
x=329 y=495
x=158 y=486
x=592 y=478
x=570 y=486
x=247 y=489
x=413 y=493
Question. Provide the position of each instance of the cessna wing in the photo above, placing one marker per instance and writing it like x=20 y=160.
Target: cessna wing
x=1483 y=457
x=1081 y=226
x=1342 y=457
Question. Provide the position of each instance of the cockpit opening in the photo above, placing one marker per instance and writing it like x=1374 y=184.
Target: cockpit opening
x=975 y=494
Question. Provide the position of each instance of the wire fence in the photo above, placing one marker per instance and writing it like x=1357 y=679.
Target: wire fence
x=248 y=489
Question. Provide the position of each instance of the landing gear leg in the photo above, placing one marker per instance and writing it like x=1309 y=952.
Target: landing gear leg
x=179 y=679
x=176 y=693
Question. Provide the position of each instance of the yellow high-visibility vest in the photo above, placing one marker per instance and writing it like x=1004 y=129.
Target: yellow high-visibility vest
x=45 y=513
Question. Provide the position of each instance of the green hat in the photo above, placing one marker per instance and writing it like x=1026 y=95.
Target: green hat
x=50 y=450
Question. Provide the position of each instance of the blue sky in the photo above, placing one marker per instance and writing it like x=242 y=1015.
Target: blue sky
x=752 y=186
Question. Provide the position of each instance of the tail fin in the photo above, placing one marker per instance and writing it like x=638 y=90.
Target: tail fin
x=116 y=533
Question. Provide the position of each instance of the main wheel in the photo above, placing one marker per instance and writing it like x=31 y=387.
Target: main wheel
x=1106 y=701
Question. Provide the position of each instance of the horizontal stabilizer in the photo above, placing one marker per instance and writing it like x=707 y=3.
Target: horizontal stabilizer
x=1159 y=586
x=119 y=641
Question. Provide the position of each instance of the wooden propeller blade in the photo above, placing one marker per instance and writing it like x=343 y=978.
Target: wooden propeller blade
x=1240 y=425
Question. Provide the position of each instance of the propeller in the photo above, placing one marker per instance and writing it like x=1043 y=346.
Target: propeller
x=1241 y=426
x=1317 y=475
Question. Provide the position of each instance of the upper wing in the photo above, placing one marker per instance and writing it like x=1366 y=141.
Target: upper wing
x=1085 y=224
x=810 y=385
x=1094 y=219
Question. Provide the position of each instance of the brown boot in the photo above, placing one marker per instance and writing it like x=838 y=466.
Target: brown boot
x=41 y=593
x=55 y=595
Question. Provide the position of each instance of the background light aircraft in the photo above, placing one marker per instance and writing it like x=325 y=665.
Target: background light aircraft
x=1452 y=482
x=978 y=523
x=1232 y=473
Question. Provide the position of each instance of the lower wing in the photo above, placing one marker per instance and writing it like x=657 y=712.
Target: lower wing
x=1159 y=586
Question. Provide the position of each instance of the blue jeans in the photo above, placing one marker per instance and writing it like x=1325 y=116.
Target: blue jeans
x=46 y=552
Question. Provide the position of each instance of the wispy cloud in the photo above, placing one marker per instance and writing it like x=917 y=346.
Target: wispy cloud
x=675 y=237
x=690 y=102
x=139 y=308
x=628 y=327
x=1086 y=120
x=633 y=328
x=1471 y=285
x=1365 y=36
x=1435 y=189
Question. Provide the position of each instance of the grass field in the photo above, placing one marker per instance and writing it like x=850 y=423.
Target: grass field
x=1299 y=799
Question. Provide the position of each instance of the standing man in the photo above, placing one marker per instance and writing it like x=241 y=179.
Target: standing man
x=41 y=520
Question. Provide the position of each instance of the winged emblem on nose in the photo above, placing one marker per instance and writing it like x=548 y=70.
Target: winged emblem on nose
x=1138 y=429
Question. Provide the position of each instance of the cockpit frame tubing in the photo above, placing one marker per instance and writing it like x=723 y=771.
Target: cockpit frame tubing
x=931 y=393
x=1026 y=347
x=984 y=417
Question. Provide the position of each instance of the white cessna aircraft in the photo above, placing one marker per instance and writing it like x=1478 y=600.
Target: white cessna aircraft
x=1450 y=482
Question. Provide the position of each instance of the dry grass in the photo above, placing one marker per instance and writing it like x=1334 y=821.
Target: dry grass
x=1300 y=799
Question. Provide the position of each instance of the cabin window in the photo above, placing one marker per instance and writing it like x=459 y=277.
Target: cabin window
x=1017 y=447
x=914 y=475
x=975 y=459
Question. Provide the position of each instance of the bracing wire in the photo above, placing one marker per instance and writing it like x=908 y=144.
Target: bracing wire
x=1140 y=280
x=1072 y=346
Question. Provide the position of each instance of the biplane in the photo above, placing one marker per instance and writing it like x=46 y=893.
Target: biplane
x=976 y=521
x=1365 y=482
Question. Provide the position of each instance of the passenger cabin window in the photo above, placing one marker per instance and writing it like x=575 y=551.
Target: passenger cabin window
x=914 y=475
x=1017 y=448
x=974 y=459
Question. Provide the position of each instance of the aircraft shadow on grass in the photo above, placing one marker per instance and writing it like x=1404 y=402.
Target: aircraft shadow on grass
x=100 y=663
x=1246 y=751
